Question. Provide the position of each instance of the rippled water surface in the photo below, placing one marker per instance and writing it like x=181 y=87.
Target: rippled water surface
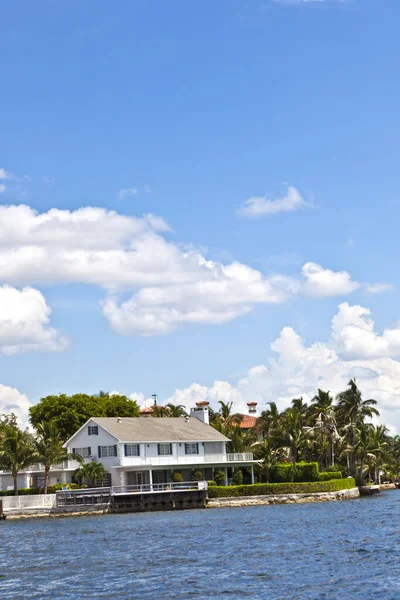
x=330 y=550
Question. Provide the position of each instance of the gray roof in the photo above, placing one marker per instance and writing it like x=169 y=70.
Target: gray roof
x=160 y=429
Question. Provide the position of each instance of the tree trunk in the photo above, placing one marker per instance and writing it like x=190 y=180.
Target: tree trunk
x=46 y=479
x=15 y=478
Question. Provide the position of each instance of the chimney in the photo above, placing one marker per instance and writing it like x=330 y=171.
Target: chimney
x=252 y=408
x=200 y=411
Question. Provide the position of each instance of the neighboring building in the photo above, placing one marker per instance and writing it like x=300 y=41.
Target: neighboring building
x=250 y=420
x=34 y=476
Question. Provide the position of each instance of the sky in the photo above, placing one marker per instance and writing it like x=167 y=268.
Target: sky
x=199 y=200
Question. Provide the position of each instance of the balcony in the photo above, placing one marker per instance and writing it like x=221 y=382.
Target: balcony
x=62 y=466
x=192 y=459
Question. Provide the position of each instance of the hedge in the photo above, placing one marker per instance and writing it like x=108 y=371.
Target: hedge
x=303 y=471
x=267 y=489
x=21 y=492
x=329 y=476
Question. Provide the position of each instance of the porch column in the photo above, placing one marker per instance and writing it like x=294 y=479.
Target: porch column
x=252 y=474
x=1 y=483
x=63 y=477
x=27 y=481
x=225 y=475
x=122 y=478
x=151 y=479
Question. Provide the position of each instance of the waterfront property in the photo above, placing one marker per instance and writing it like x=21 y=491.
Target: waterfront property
x=146 y=451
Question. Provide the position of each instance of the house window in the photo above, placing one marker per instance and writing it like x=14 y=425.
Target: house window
x=93 y=430
x=132 y=450
x=107 y=451
x=164 y=449
x=192 y=448
x=84 y=452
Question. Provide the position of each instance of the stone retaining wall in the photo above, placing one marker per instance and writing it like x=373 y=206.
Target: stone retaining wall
x=283 y=499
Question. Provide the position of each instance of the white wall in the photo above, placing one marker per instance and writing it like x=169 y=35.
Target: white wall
x=84 y=440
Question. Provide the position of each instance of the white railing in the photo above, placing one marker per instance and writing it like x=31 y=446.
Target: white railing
x=160 y=487
x=239 y=456
x=34 y=501
x=192 y=459
x=66 y=464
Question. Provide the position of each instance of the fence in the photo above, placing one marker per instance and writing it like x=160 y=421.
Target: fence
x=36 y=501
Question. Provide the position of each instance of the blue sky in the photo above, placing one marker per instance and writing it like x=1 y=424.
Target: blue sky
x=186 y=110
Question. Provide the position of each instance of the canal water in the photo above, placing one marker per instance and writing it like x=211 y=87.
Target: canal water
x=348 y=549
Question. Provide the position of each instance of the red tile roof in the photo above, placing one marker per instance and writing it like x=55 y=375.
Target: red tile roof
x=148 y=410
x=248 y=421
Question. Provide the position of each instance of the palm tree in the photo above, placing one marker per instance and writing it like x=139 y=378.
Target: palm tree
x=270 y=421
x=351 y=412
x=17 y=452
x=49 y=448
x=323 y=422
x=176 y=410
x=92 y=472
x=295 y=433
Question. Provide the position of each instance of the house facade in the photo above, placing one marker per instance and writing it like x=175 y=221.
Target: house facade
x=143 y=451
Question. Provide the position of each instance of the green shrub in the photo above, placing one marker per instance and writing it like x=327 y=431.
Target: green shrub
x=333 y=469
x=54 y=487
x=21 y=492
x=267 y=489
x=177 y=477
x=211 y=483
x=197 y=475
x=303 y=471
x=326 y=476
x=237 y=478
x=219 y=477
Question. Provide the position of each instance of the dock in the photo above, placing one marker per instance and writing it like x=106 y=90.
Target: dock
x=369 y=490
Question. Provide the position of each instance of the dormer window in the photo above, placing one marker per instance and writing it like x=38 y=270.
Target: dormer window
x=93 y=430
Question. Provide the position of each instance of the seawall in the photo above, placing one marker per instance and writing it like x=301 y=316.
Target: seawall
x=284 y=499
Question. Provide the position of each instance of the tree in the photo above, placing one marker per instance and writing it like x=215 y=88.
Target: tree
x=17 y=452
x=295 y=432
x=49 y=448
x=176 y=410
x=351 y=412
x=323 y=423
x=69 y=413
x=92 y=472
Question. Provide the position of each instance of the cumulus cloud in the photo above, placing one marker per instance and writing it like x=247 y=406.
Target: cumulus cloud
x=324 y=282
x=259 y=206
x=13 y=401
x=171 y=286
x=24 y=323
x=5 y=174
x=295 y=370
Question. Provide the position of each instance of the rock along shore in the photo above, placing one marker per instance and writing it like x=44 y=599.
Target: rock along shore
x=283 y=499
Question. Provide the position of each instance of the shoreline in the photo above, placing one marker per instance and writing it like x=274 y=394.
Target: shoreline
x=284 y=499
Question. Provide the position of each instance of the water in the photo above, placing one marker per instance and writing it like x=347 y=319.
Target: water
x=309 y=551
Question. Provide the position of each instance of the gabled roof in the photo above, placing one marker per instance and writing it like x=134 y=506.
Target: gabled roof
x=163 y=429
x=248 y=421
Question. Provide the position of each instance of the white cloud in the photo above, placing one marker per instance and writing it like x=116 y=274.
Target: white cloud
x=297 y=370
x=5 y=174
x=47 y=179
x=2 y=187
x=171 y=286
x=378 y=288
x=12 y=401
x=127 y=192
x=24 y=323
x=324 y=282
x=258 y=206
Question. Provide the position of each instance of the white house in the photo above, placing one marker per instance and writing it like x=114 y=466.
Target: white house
x=138 y=451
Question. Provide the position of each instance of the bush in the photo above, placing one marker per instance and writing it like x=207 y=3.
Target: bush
x=237 y=478
x=219 y=477
x=197 y=475
x=303 y=471
x=333 y=469
x=21 y=492
x=328 y=476
x=211 y=483
x=268 y=489
x=177 y=477
x=53 y=488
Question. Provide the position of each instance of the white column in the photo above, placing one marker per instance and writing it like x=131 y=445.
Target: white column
x=1 y=483
x=122 y=478
x=225 y=475
x=252 y=474
x=151 y=479
x=27 y=480
x=63 y=477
